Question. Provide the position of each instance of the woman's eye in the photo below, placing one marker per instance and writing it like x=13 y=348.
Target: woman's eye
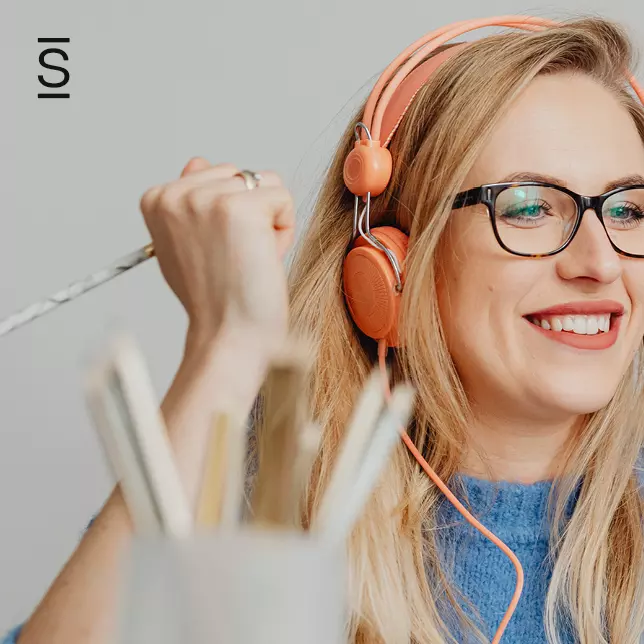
x=525 y=211
x=625 y=214
x=531 y=210
x=624 y=211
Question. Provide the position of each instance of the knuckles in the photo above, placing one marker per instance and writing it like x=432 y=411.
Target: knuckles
x=270 y=178
x=198 y=199
x=177 y=199
x=171 y=198
x=229 y=167
x=149 y=198
x=208 y=201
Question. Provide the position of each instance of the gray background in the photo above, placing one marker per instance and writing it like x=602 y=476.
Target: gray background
x=261 y=84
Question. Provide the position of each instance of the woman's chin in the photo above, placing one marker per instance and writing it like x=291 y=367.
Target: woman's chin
x=578 y=399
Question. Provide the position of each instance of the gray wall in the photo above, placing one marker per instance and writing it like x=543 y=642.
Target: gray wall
x=261 y=84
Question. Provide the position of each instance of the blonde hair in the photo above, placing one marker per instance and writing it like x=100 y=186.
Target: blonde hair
x=396 y=579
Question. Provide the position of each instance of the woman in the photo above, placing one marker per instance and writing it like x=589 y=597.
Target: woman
x=520 y=340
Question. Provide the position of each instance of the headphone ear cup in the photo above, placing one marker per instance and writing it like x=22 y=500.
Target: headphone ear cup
x=370 y=284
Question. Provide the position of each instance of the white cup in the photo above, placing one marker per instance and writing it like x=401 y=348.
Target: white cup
x=246 y=587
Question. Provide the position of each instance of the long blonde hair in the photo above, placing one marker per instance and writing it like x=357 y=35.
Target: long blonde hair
x=396 y=578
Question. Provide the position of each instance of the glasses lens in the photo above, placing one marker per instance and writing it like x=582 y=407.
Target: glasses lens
x=534 y=219
x=623 y=213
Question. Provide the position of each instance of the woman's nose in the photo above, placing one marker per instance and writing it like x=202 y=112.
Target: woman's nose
x=590 y=254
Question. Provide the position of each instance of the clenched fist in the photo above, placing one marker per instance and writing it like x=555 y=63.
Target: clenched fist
x=221 y=247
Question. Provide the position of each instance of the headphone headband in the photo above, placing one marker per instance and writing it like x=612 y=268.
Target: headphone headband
x=379 y=100
x=368 y=167
x=403 y=97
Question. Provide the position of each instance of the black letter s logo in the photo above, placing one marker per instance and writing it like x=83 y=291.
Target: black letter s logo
x=41 y=58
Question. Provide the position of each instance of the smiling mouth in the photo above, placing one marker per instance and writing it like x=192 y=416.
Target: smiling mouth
x=594 y=330
x=577 y=324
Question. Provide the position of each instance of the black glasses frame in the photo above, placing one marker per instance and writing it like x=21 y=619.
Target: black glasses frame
x=487 y=194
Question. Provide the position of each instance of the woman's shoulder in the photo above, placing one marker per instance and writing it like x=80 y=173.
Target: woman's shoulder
x=12 y=636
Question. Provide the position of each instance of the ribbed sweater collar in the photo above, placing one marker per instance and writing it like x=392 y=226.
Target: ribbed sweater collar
x=515 y=512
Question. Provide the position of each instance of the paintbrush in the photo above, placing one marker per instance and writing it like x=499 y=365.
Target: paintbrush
x=223 y=474
x=386 y=435
x=277 y=491
x=356 y=439
x=126 y=413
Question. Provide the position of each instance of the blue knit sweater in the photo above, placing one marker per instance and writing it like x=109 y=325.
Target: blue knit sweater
x=515 y=513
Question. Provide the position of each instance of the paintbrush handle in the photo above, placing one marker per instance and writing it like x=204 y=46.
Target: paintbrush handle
x=76 y=289
x=386 y=435
x=356 y=439
x=214 y=473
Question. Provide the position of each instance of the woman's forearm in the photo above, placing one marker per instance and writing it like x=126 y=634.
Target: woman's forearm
x=80 y=606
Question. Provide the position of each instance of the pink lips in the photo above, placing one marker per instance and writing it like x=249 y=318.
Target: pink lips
x=595 y=342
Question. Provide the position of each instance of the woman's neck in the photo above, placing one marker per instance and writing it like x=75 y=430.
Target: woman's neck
x=516 y=450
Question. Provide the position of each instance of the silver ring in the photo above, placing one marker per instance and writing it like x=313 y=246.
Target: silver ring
x=251 y=179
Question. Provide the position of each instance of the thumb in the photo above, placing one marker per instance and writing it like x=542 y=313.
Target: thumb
x=195 y=165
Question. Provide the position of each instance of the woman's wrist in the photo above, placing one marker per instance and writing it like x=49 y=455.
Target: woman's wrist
x=205 y=340
x=236 y=359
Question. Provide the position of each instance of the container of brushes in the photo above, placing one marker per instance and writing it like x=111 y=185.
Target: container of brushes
x=247 y=586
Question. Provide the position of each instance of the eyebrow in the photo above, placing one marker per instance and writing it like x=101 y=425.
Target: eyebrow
x=622 y=182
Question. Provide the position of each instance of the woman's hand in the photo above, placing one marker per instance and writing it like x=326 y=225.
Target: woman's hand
x=221 y=247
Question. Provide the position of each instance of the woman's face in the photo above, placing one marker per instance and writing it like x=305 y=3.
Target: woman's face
x=573 y=132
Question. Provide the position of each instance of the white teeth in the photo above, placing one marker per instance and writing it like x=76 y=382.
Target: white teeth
x=579 y=324
x=592 y=325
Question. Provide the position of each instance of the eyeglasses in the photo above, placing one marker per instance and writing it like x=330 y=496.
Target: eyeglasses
x=535 y=219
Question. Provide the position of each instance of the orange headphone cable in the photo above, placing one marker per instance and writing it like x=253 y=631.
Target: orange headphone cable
x=382 y=355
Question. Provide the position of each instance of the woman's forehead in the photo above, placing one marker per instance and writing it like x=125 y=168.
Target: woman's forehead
x=565 y=126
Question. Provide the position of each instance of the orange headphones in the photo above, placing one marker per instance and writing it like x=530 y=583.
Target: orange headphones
x=373 y=273
x=374 y=269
